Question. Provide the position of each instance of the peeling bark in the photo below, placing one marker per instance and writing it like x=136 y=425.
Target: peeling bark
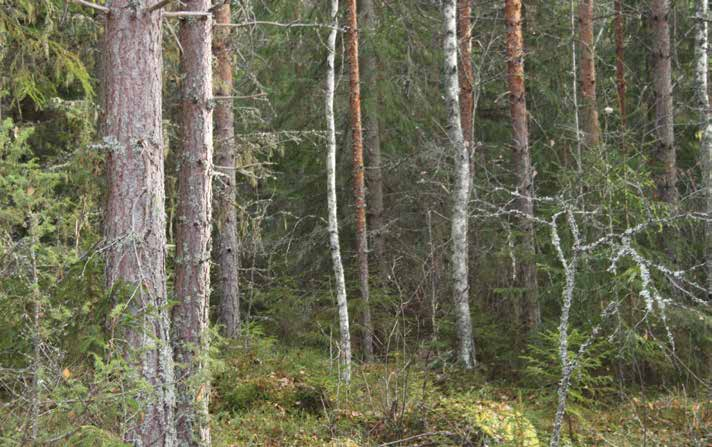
x=359 y=187
x=226 y=248
x=135 y=220
x=461 y=192
x=528 y=308
x=345 y=345
x=193 y=222
x=665 y=168
x=591 y=125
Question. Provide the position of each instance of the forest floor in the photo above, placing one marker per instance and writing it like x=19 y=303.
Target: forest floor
x=266 y=395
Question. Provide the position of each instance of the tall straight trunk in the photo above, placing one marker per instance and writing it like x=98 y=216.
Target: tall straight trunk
x=620 y=67
x=372 y=143
x=664 y=155
x=702 y=87
x=135 y=219
x=466 y=74
x=345 y=345
x=591 y=126
x=521 y=157
x=226 y=244
x=461 y=192
x=194 y=218
x=358 y=173
x=36 y=337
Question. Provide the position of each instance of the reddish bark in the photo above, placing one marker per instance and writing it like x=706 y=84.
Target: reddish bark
x=591 y=126
x=528 y=308
x=359 y=188
x=226 y=243
x=135 y=220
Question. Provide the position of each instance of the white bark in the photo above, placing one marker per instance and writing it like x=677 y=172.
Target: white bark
x=461 y=192
x=345 y=345
x=702 y=87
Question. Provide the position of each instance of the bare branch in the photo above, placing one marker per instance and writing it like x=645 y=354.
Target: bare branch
x=88 y=4
x=280 y=24
x=158 y=5
x=185 y=14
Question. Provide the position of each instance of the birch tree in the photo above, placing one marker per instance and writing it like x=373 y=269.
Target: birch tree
x=359 y=187
x=591 y=125
x=702 y=87
x=135 y=219
x=461 y=191
x=664 y=153
x=345 y=345
x=521 y=157
x=226 y=250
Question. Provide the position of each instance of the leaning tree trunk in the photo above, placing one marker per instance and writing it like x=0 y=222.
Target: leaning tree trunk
x=225 y=245
x=135 y=220
x=461 y=192
x=194 y=218
x=345 y=345
x=591 y=126
x=620 y=66
x=666 y=166
x=372 y=143
x=702 y=87
x=521 y=156
x=358 y=173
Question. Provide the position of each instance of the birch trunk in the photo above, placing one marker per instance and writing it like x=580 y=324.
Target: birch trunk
x=591 y=126
x=226 y=243
x=702 y=84
x=620 y=66
x=664 y=155
x=461 y=193
x=358 y=173
x=342 y=303
x=372 y=143
x=135 y=220
x=466 y=75
x=521 y=156
x=194 y=217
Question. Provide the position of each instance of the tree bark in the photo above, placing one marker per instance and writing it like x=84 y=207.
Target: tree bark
x=372 y=143
x=226 y=243
x=358 y=173
x=466 y=74
x=591 y=126
x=702 y=87
x=135 y=220
x=193 y=225
x=620 y=66
x=345 y=345
x=521 y=157
x=461 y=192
x=664 y=154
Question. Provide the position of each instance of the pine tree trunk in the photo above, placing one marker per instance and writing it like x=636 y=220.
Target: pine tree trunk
x=345 y=345
x=226 y=244
x=521 y=157
x=135 y=220
x=372 y=143
x=591 y=126
x=702 y=87
x=194 y=218
x=461 y=192
x=664 y=155
x=620 y=66
x=358 y=173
